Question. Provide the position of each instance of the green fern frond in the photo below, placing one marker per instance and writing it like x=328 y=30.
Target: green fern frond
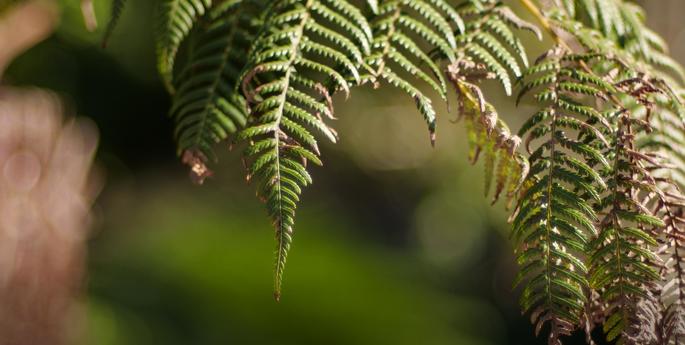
x=643 y=49
x=604 y=15
x=555 y=219
x=288 y=84
x=622 y=23
x=116 y=10
x=398 y=29
x=490 y=41
x=176 y=19
x=206 y=108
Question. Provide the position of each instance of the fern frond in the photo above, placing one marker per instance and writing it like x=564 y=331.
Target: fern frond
x=487 y=133
x=398 y=29
x=644 y=50
x=485 y=46
x=176 y=19
x=666 y=140
x=489 y=40
x=622 y=23
x=555 y=219
x=645 y=322
x=622 y=259
x=596 y=172
x=206 y=108
x=288 y=84
x=116 y=10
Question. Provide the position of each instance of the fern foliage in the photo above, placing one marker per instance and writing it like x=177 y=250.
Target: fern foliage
x=624 y=264
x=646 y=52
x=489 y=40
x=288 y=84
x=397 y=55
x=554 y=219
x=176 y=20
x=206 y=108
x=487 y=133
x=595 y=174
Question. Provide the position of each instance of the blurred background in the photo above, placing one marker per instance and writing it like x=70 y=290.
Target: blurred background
x=394 y=243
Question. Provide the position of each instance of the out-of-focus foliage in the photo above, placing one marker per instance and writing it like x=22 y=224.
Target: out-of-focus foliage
x=137 y=294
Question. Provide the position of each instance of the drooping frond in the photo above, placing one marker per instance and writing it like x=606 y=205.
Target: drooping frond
x=554 y=218
x=644 y=50
x=485 y=46
x=623 y=263
x=401 y=29
x=115 y=13
x=176 y=19
x=206 y=108
x=487 y=133
x=306 y=50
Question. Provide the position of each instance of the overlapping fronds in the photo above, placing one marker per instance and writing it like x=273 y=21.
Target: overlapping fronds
x=554 y=219
x=645 y=322
x=596 y=173
x=307 y=50
x=176 y=19
x=623 y=23
x=670 y=207
x=665 y=141
x=605 y=15
x=643 y=49
x=488 y=48
x=623 y=260
x=206 y=108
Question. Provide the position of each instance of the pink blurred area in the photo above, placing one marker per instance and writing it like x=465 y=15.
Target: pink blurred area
x=46 y=191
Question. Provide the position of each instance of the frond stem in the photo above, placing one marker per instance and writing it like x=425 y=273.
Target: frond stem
x=537 y=13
